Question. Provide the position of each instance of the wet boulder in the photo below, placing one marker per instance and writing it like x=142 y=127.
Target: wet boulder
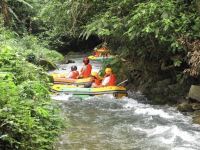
x=175 y=87
x=71 y=61
x=196 y=106
x=67 y=60
x=196 y=120
x=163 y=83
x=196 y=117
x=72 y=53
x=185 y=107
x=47 y=64
x=194 y=92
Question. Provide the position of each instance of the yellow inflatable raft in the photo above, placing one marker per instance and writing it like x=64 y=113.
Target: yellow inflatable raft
x=101 y=58
x=61 y=79
x=117 y=91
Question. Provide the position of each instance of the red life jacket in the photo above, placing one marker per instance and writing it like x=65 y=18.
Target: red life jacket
x=112 y=80
x=103 y=49
x=74 y=74
x=97 y=81
x=86 y=71
x=97 y=54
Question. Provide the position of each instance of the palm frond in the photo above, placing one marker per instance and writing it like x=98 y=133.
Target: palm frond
x=25 y=3
x=14 y=14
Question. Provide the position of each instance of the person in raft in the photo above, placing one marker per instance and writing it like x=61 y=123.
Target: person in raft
x=96 y=79
x=109 y=78
x=96 y=53
x=86 y=69
x=73 y=73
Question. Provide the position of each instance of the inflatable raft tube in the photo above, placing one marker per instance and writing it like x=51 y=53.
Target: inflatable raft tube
x=117 y=91
x=61 y=79
x=101 y=58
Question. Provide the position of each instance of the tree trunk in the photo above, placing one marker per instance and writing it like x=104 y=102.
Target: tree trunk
x=5 y=13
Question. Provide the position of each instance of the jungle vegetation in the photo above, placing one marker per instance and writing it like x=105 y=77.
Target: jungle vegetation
x=29 y=119
x=149 y=30
x=159 y=38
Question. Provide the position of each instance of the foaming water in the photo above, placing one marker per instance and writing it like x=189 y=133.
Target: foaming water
x=61 y=97
x=153 y=112
x=102 y=122
x=106 y=123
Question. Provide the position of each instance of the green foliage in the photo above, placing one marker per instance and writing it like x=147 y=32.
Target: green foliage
x=163 y=23
x=29 y=119
x=21 y=15
x=157 y=25
x=148 y=29
x=67 y=17
x=31 y=45
x=27 y=45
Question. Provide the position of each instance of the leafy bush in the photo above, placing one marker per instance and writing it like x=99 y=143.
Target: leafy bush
x=29 y=119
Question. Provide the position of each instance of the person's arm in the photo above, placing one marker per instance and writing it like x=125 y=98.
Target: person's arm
x=70 y=75
x=105 y=81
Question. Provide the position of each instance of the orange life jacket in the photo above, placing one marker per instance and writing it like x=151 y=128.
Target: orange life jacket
x=103 y=48
x=97 y=54
x=97 y=81
x=86 y=71
x=74 y=74
x=111 y=81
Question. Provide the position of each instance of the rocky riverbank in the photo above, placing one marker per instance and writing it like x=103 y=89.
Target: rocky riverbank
x=163 y=88
x=160 y=87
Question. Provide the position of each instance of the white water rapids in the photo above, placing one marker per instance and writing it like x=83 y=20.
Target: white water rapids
x=105 y=123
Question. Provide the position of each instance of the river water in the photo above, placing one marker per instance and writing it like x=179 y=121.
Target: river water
x=106 y=123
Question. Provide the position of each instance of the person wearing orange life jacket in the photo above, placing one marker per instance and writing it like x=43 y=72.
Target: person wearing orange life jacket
x=74 y=73
x=96 y=81
x=86 y=69
x=109 y=78
x=96 y=53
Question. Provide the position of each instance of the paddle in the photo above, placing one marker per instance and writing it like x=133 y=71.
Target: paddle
x=122 y=82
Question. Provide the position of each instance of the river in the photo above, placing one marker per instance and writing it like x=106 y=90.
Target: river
x=106 y=123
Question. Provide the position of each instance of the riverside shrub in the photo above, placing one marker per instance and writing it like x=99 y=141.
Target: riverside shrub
x=29 y=119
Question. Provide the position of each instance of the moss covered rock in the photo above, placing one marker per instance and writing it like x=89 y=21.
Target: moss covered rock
x=67 y=60
x=185 y=107
x=163 y=83
x=196 y=106
x=196 y=119
x=47 y=64
x=194 y=92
